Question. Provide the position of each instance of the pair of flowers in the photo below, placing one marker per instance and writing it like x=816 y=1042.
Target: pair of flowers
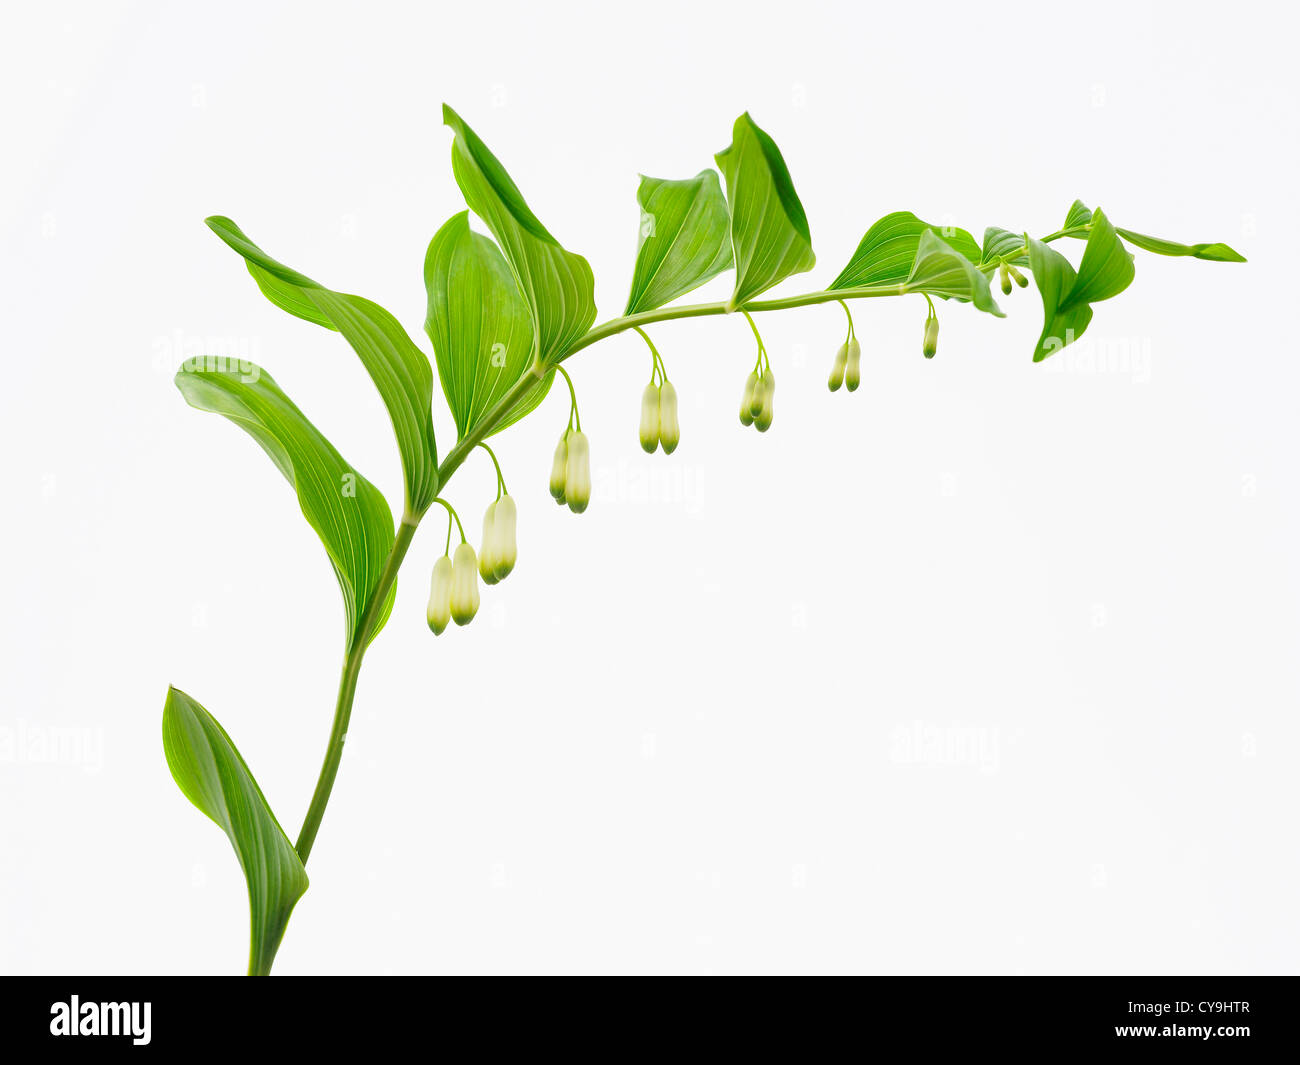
x=756 y=401
x=453 y=591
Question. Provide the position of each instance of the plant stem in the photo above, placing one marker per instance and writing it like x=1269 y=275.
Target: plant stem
x=352 y=664
x=702 y=310
x=348 y=689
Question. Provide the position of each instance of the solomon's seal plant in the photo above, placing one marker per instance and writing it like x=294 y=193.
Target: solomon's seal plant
x=505 y=313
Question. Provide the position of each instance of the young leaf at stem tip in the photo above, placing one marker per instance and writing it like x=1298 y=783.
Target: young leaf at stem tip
x=684 y=239
x=208 y=768
x=481 y=328
x=399 y=369
x=557 y=285
x=349 y=514
x=769 y=230
x=1079 y=215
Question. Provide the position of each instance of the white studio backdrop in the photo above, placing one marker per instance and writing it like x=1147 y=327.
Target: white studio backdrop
x=988 y=667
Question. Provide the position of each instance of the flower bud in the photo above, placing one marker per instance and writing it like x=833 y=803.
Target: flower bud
x=747 y=399
x=577 y=473
x=464 y=585
x=487 y=553
x=931 y=342
x=1020 y=278
x=650 y=418
x=756 y=397
x=837 y=368
x=1005 y=275
x=558 y=466
x=767 y=386
x=669 y=431
x=853 y=372
x=507 y=548
x=439 y=612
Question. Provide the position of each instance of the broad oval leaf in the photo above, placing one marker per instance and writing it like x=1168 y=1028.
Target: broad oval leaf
x=769 y=230
x=481 y=330
x=941 y=270
x=208 y=768
x=1218 y=253
x=683 y=239
x=349 y=514
x=557 y=285
x=399 y=369
x=886 y=253
x=1105 y=271
x=1002 y=244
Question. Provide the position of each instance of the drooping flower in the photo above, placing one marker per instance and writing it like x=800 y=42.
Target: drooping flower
x=669 y=430
x=507 y=548
x=837 y=368
x=577 y=472
x=931 y=343
x=747 y=399
x=650 y=418
x=487 y=552
x=853 y=371
x=438 y=613
x=464 y=585
x=767 y=391
x=559 y=465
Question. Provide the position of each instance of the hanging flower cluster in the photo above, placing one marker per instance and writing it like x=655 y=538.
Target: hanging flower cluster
x=846 y=370
x=453 y=590
x=760 y=387
x=659 y=426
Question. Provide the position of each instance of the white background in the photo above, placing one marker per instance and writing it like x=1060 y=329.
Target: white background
x=988 y=667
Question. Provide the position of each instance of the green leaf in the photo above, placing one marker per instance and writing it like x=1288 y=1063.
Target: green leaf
x=1106 y=270
x=399 y=369
x=941 y=270
x=481 y=329
x=684 y=239
x=1107 y=266
x=1218 y=253
x=348 y=513
x=1077 y=216
x=886 y=254
x=1055 y=277
x=556 y=284
x=769 y=230
x=209 y=770
x=1002 y=244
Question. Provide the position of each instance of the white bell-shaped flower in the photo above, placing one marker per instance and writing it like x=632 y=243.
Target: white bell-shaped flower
x=464 y=585
x=650 y=418
x=507 y=550
x=438 y=613
x=577 y=472
x=669 y=430
x=559 y=466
